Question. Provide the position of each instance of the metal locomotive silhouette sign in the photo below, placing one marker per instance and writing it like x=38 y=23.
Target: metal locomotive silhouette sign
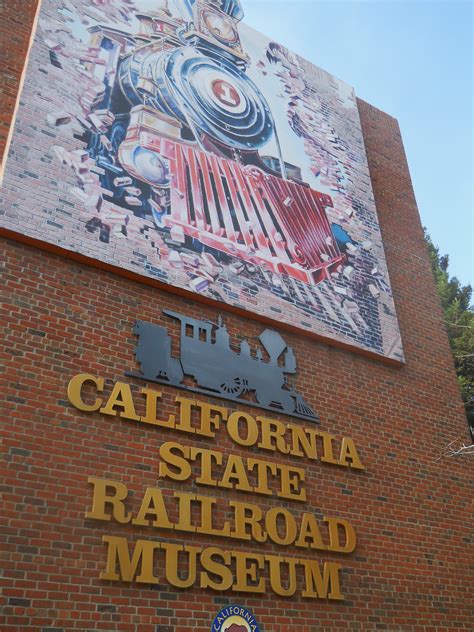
x=207 y=356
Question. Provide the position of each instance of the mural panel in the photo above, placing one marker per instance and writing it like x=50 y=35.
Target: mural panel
x=168 y=138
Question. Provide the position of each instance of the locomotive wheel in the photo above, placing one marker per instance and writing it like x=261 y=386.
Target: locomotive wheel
x=233 y=386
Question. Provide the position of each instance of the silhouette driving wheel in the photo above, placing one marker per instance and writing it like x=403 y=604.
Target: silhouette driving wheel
x=233 y=386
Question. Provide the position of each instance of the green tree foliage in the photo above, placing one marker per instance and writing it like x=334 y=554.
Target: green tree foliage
x=459 y=319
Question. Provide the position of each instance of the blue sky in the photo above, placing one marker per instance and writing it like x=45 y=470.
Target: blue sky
x=412 y=59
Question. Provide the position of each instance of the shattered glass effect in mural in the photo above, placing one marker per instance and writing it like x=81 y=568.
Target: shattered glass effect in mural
x=170 y=139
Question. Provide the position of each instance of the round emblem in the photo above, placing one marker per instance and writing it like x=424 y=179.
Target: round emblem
x=225 y=93
x=234 y=619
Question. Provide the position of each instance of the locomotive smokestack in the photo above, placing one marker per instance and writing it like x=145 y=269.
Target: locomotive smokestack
x=273 y=344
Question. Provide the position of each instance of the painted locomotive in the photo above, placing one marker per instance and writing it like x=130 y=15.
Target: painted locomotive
x=188 y=128
x=206 y=355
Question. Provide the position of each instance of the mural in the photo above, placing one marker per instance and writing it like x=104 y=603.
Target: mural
x=168 y=138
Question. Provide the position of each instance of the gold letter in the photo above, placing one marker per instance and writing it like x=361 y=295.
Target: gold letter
x=184 y=511
x=235 y=471
x=74 y=391
x=291 y=479
x=328 y=456
x=118 y=552
x=275 y=563
x=309 y=529
x=172 y=554
x=153 y=504
x=317 y=586
x=263 y=469
x=273 y=429
x=208 y=506
x=169 y=458
x=208 y=421
x=216 y=568
x=233 y=428
x=271 y=526
x=121 y=396
x=184 y=423
x=245 y=572
x=348 y=451
x=151 y=400
x=241 y=520
x=100 y=500
x=207 y=457
x=303 y=442
x=334 y=542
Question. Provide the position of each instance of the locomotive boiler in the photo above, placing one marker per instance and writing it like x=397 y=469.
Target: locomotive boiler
x=189 y=126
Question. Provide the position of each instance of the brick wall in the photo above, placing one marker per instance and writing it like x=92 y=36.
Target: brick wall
x=410 y=511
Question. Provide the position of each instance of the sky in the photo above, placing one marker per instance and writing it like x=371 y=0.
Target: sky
x=412 y=59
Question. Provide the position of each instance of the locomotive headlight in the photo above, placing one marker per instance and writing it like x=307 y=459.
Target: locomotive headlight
x=222 y=28
x=150 y=166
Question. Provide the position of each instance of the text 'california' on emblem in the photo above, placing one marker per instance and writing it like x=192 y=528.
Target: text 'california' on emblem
x=234 y=619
